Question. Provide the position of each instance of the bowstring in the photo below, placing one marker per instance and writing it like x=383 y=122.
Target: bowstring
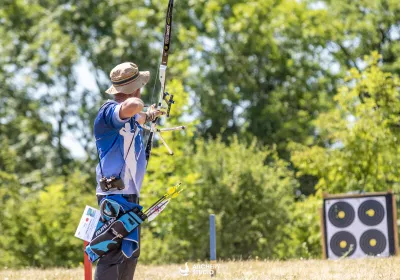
x=153 y=91
x=154 y=85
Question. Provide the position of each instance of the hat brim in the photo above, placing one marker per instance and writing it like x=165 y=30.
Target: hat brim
x=139 y=82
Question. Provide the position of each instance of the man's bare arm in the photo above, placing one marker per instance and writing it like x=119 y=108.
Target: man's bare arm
x=130 y=107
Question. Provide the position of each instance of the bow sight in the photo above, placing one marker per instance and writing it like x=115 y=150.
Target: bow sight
x=169 y=102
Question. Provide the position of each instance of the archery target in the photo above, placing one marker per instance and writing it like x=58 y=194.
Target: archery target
x=341 y=214
x=371 y=212
x=373 y=242
x=343 y=243
x=356 y=227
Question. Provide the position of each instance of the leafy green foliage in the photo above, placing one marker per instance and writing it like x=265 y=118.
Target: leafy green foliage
x=302 y=235
x=248 y=188
x=38 y=227
x=359 y=136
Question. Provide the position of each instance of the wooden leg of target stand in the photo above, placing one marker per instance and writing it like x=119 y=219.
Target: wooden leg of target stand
x=86 y=263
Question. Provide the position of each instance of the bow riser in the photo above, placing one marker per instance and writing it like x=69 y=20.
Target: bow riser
x=163 y=70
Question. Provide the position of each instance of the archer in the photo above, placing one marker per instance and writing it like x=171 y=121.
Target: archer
x=122 y=160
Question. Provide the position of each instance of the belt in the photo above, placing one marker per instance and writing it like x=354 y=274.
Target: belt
x=129 y=197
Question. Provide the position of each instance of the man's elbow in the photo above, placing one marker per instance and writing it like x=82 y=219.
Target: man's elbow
x=129 y=108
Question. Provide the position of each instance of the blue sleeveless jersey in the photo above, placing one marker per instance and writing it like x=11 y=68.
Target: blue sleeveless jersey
x=113 y=138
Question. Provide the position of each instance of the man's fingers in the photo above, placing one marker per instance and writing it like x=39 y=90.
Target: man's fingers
x=160 y=112
x=156 y=112
x=151 y=115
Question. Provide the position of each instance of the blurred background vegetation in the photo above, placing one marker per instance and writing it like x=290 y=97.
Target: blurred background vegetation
x=284 y=100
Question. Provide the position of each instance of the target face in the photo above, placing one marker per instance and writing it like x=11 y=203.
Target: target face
x=343 y=243
x=371 y=212
x=359 y=226
x=341 y=214
x=373 y=242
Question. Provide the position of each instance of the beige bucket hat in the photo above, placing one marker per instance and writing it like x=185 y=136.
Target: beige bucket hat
x=126 y=78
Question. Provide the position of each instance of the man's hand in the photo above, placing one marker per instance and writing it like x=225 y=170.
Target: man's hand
x=152 y=113
x=131 y=107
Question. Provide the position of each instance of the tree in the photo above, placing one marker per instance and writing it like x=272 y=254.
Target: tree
x=359 y=136
x=269 y=68
x=360 y=27
x=27 y=138
x=262 y=71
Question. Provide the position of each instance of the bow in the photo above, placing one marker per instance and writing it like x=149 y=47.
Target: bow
x=164 y=96
x=153 y=211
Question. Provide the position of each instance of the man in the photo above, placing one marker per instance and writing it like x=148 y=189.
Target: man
x=118 y=133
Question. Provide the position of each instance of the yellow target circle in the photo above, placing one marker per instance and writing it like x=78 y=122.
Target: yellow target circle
x=372 y=242
x=370 y=212
x=343 y=244
x=341 y=214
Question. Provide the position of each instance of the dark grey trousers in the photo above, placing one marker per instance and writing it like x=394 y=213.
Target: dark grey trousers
x=114 y=265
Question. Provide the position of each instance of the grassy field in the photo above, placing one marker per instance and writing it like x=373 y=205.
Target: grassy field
x=372 y=268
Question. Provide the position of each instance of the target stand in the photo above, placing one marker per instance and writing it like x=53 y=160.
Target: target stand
x=359 y=225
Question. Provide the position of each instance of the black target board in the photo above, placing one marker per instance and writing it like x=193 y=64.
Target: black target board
x=371 y=212
x=343 y=243
x=359 y=225
x=373 y=242
x=341 y=214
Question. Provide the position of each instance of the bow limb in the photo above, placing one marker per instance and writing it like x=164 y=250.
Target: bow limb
x=162 y=71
